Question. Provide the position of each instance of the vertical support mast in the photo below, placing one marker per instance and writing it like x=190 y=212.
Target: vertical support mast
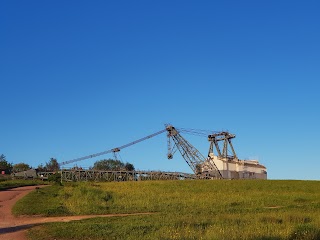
x=233 y=151
x=226 y=137
x=225 y=149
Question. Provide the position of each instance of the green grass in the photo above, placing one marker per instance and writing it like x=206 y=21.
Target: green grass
x=7 y=184
x=182 y=210
x=4 y=177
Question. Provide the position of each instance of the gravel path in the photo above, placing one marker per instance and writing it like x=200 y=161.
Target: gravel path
x=14 y=228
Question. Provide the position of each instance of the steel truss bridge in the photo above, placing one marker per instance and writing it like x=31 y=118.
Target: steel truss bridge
x=118 y=176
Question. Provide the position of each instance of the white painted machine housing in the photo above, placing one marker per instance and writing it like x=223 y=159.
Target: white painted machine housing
x=239 y=169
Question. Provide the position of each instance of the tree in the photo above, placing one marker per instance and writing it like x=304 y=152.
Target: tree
x=20 y=167
x=108 y=164
x=129 y=167
x=75 y=168
x=41 y=168
x=4 y=165
x=52 y=165
x=112 y=165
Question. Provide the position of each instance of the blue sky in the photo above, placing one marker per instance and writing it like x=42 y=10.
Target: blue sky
x=80 y=77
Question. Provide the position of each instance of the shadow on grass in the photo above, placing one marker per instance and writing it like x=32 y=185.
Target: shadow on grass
x=302 y=232
x=17 y=228
x=305 y=232
x=268 y=238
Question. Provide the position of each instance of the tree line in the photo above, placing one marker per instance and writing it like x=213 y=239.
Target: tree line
x=52 y=166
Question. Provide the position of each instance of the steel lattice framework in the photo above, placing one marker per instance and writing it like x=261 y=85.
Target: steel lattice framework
x=113 y=150
x=191 y=155
x=202 y=167
x=225 y=138
x=108 y=176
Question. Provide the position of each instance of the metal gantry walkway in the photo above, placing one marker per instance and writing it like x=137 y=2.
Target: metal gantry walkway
x=118 y=176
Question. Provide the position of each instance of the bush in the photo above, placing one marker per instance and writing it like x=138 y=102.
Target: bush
x=56 y=178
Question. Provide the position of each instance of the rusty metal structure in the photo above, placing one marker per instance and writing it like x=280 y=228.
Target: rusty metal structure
x=94 y=175
x=118 y=176
x=191 y=155
x=214 y=166
x=225 y=138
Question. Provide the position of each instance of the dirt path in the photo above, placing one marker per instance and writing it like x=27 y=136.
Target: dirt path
x=14 y=228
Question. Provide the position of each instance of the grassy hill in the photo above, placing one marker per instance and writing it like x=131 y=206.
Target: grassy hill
x=6 y=183
x=199 y=209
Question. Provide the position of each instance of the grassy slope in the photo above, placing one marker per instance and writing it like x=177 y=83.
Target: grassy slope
x=7 y=184
x=184 y=210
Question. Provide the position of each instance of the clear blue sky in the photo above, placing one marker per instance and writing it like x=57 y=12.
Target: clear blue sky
x=79 y=77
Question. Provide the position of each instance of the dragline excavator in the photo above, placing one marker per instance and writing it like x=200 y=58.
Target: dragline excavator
x=203 y=168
